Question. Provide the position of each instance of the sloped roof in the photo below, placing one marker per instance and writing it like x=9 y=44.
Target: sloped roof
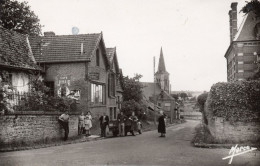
x=111 y=53
x=15 y=51
x=65 y=48
x=148 y=89
x=112 y=57
x=161 y=65
x=247 y=28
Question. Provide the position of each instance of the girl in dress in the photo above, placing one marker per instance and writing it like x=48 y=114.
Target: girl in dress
x=88 y=123
x=81 y=123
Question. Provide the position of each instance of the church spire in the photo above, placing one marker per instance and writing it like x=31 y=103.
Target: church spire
x=161 y=66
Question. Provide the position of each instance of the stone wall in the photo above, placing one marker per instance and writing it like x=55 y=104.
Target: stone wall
x=17 y=129
x=235 y=132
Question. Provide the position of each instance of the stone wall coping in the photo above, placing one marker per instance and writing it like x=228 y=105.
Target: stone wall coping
x=39 y=113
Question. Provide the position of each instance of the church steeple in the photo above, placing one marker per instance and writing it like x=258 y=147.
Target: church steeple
x=161 y=65
x=162 y=76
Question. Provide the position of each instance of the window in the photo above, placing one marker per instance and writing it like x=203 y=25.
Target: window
x=110 y=113
x=240 y=62
x=114 y=112
x=97 y=94
x=111 y=85
x=240 y=54
x=118 y=102
x=50 y=85
x=240 y=71
x=97 y=58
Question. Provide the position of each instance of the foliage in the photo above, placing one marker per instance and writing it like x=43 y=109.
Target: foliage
x=253 y=5
x=201 y=100
x=183 y=95
x=39 y=100
x=256 y=76
x=5 y=89
x=175 y=96
x=132 y=106
x=19 y=17
x=238 y=101
x=132 y=95
x=132 y=88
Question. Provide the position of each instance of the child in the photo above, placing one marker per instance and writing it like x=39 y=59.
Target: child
x=81 y=124
x=88 y=123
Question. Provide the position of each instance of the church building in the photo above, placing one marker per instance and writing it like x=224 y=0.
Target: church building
x=158 y=92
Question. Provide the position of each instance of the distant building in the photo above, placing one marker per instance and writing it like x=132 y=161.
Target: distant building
x=243 y=54
x=158 y=92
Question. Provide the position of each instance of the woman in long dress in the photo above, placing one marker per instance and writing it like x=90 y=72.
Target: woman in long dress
x=161 y=124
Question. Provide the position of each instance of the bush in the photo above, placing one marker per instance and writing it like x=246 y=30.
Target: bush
x=201 y=100
x=132 y=106
x=238 y=101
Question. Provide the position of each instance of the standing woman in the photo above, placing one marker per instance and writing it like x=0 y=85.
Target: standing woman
x=161 y=125
x=88 y=123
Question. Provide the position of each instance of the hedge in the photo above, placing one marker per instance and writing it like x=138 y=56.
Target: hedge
x=237 y=101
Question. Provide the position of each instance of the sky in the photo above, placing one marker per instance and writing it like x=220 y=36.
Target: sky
x=194 y=34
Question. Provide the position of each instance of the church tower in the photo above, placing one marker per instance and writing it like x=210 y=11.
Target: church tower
x=162 y=76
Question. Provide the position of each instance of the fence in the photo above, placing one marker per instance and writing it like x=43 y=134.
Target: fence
x=17 y=98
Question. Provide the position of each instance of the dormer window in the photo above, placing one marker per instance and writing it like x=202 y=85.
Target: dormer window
x=97 y=58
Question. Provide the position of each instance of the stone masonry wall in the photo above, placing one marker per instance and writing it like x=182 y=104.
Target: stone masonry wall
x=235 y=132
x=33 y=128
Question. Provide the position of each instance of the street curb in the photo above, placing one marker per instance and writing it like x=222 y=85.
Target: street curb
x=49 y=145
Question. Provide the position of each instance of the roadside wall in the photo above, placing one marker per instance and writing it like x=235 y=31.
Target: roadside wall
x=236 y=132
x=23 y=129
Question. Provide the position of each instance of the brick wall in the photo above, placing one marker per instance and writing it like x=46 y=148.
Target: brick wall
x=16 y=129
x=235 y=132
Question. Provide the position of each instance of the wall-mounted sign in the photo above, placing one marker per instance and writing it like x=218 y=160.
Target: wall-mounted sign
x=93 y=76
x=64 y=80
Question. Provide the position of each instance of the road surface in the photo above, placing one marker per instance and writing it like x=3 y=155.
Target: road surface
x=145 y=149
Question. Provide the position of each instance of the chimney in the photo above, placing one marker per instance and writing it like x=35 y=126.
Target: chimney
x=81 y=49
x=50 y=33
x=233 y=20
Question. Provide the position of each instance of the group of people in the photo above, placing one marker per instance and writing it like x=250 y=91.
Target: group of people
x=125 y=124
x=85 y=124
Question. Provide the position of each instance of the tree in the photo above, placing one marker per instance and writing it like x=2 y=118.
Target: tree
x=201 y=100
x=183 y=95
x=132 y=88
x=132 y=95
x=253 y=5
x=19 y=17
x=175 y=96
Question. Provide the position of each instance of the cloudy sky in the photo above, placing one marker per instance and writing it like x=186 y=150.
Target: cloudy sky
x=194 y=34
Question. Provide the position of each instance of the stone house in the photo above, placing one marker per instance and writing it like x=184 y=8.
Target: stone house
x=77 y=66
x=17 y=62
x=243 y=53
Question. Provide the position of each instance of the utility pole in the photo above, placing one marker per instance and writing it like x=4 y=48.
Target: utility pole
x=154 y=91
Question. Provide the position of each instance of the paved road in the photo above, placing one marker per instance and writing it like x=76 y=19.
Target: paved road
x=145 y=149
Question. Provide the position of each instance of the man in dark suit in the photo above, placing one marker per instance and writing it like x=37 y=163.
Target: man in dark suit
x=104 y=121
